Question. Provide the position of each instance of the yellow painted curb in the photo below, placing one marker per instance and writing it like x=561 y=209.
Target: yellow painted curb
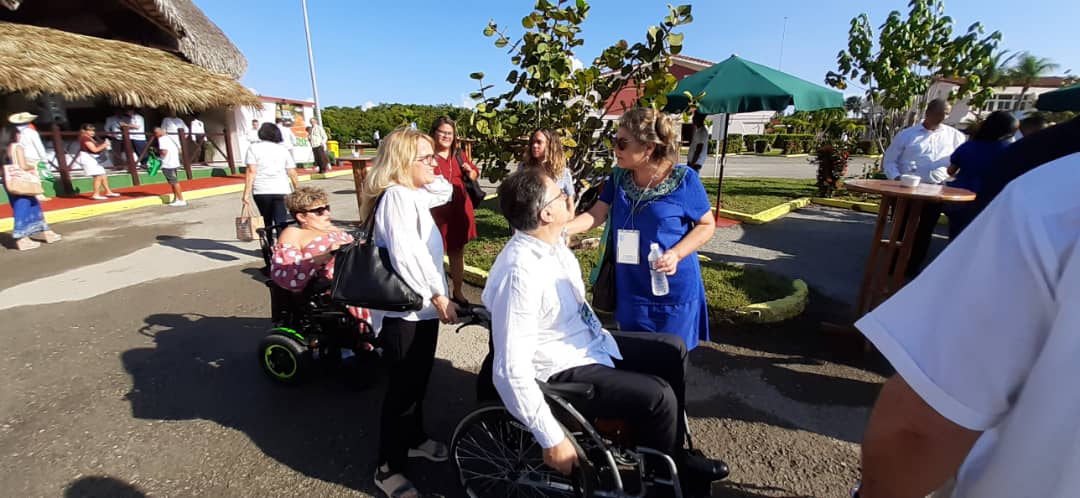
x=862 y=207
x=778 y=310
x=473 y=275
x=767 y=215
x=92 y=210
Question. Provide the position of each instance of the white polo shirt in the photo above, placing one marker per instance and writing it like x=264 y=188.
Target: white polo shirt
x=170 y=145
x=989 y=337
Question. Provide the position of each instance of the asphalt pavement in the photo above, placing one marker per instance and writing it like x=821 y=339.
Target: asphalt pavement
x=130 y=370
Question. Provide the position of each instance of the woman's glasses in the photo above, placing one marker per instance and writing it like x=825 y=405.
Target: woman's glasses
x=428 y=159
x=622 y=143
x=318 y=211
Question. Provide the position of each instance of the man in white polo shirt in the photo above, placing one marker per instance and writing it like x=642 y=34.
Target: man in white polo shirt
x=169 y=147
x=986 y=346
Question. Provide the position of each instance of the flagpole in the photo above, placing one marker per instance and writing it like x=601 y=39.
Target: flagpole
x=311 y=63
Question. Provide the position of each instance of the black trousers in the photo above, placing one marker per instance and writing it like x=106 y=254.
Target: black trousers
x=647 y=388
x=321 y=159
x=409 y=353
x=924 y=234
x=272 y=208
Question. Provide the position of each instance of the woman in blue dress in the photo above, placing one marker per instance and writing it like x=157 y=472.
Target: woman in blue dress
x=974 y=160
x=30 y=226
x=651 y=199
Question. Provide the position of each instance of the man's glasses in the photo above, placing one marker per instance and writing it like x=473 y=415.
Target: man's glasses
x=564 y=192
x=318 y=211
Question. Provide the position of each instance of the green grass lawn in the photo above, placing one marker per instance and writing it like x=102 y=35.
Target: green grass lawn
x=727 y=287
x=753 y=195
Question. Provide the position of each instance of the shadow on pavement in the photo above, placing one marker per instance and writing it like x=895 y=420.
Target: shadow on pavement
x=211 y=249
x=205 y=367
x=101 y=487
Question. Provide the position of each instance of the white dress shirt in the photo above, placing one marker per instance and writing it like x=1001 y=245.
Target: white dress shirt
x=404 y=226
x=112 y=127
x=919 y=151
x=197 y=126
x=172 y=125
x=701 y=137
x=137 y=131
x=1001 y=356
x=535 y=295
x=317 y=137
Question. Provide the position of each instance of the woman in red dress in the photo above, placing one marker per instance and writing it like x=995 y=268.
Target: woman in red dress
x=455 y=218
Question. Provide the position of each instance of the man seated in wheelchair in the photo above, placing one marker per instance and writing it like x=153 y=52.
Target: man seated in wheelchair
x=543 y=329
x=302 y=255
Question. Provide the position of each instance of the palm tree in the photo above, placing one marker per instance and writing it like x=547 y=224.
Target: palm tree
x=1027 y=70
x=996 y=71
x=853 y=105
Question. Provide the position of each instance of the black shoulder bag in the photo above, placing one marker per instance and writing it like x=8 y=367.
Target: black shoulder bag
x=472 y=187
x=364 y=276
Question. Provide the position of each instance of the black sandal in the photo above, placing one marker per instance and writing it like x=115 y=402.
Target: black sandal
x=404 y=488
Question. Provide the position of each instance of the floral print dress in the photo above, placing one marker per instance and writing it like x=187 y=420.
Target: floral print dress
x=292 y=268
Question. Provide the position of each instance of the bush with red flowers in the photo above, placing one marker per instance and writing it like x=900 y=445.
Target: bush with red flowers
x=832 y=162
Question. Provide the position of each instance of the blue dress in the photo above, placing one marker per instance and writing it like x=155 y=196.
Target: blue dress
x=975 y=159
x=663 y=214
x=28 y=216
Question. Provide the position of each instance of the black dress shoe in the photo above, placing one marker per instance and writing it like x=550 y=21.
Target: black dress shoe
x=703 y=467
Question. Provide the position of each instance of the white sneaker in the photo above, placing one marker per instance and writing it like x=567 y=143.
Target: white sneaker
x=177 y=203
x=99 y=198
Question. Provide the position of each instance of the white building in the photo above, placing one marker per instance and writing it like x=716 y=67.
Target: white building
x=1004 y=98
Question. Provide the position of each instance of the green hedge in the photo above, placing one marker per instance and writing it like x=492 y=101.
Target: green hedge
x=748 y=140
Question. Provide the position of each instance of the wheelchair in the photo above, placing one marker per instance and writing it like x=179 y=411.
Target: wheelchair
x=494 y=455
x=310 y=332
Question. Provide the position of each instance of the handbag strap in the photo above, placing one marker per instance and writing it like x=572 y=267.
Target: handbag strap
x=609 y=236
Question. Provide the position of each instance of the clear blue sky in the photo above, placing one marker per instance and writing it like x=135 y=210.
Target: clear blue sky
x=423 y=51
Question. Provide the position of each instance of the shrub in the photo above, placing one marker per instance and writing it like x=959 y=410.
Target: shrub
x=831 y=162
x=749 y=140
x=802 y=141
x=793 y=147
x=867 y=147
x=735 y=143
x=761 y=145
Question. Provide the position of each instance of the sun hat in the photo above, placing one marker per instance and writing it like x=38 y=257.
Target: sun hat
x=21 y=118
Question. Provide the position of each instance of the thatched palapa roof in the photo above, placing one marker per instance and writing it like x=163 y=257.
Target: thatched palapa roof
x=200 y=40
x=36 y=60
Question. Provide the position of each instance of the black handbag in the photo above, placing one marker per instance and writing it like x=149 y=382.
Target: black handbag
x=603 y=290
x=472 y=187
x=364 y=276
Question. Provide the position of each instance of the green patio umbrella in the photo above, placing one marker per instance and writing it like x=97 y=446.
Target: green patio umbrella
x=738 y=85
x=1063 y=99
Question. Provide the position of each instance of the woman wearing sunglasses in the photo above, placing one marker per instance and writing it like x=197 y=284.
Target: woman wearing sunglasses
x=399 y=192
x=650 y=199
x=545 y=152
x=305 y=251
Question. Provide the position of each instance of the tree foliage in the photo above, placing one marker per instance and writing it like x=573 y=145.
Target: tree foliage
x=548 y=91
x=354 y=123
x=1026 y=71
x=897 y=66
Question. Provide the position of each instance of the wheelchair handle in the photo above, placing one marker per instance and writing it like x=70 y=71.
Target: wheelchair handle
x=473 y=314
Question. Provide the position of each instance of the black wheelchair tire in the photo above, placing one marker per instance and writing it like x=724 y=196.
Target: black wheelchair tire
x=582 y=479
x=284 y=359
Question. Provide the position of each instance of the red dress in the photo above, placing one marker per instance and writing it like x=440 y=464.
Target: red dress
x=455 y=218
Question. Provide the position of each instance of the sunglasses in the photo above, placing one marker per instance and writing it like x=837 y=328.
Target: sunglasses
x=319 y=211
x=622 y=143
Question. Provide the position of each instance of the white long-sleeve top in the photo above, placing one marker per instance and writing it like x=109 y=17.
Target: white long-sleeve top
x=536 y=296
x=32 y=146
x=404 y=226
x=919 y=151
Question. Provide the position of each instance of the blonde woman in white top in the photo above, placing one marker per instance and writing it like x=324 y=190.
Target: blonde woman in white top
x=399 y=192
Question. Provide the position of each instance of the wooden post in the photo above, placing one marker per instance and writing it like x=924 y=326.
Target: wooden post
x=229 y=151
x=184 y=159
x=61 y=162
x=129 y=155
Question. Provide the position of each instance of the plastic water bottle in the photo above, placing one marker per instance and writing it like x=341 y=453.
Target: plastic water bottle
x=659 y=278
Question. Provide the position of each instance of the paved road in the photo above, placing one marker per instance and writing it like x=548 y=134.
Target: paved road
x=129 y=369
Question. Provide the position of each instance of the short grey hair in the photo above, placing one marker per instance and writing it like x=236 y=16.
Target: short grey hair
x=937 y=105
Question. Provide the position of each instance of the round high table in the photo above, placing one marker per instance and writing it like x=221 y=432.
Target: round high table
x=890 y=250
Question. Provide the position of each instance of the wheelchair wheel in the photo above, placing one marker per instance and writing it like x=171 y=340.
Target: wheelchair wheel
x=284 y=359
x=495 y=456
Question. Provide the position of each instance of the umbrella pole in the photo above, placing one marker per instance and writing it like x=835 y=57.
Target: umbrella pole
x=723 y=156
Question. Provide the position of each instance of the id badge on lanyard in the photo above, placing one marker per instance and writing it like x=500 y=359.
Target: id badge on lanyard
x=627 y=244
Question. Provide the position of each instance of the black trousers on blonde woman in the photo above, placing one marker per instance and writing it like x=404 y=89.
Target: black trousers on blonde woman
x=409 y=354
